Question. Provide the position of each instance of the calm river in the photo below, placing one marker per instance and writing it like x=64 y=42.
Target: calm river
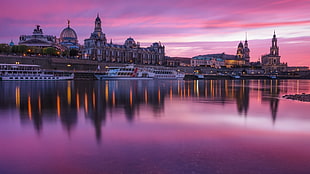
x=166 y=127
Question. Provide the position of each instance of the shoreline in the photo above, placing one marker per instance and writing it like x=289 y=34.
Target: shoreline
x=299 y=97
x=83 y=68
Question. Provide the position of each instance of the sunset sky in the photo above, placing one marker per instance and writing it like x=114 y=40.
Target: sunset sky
x=186 y=27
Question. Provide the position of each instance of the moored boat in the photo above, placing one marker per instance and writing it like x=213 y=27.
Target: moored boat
x=131 y=72
x=25 y=72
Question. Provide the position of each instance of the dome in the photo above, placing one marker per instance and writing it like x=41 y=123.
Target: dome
x=130 y=42
x=68 y=36
x=11 y=43
x=240 y=45
x=68 y=33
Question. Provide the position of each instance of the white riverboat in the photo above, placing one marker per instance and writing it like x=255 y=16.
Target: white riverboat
x=131 y=72
x=24 y=72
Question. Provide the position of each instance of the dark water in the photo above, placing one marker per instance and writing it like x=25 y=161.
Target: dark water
x=216 y=126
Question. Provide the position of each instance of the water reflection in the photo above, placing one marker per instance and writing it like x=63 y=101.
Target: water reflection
x=50 y=101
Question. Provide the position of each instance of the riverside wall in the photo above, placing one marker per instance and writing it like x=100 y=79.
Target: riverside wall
x=91 y=66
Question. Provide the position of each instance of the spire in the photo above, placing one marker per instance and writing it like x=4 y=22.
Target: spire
x=68 y=23
x=98 y=24
x=246 y=40
x=274 y=50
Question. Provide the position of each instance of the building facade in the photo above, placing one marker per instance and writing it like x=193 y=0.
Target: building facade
x=97 y=48
x=243 y=52
x=37 y=39
x=271 y=62
x=209 y=60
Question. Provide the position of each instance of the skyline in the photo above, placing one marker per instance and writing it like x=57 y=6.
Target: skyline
x=186 y=28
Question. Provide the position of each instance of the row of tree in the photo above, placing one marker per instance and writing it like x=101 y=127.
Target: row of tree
x=36 y=51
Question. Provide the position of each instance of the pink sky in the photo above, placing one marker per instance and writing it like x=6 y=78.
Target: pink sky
x=186 y=27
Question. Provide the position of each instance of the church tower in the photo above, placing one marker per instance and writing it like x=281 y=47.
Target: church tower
x=240 y=51
x=98 y=24
x=274 y=49
x=246 y=51
x=271 y=62
x=98 y=34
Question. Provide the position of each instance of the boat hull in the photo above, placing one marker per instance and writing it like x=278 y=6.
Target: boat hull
x=35 y=78
x=105 y=77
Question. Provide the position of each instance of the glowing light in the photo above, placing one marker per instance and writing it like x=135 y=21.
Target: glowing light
x=94 y=99
x=86 y=102
x=17 y=96
x=130 y=97
x=158 y=95
x=113 y=99
x=107 y=92
x=69 y=92
x=170 y=93
x=39 y=104
x=29 y=107
x=145 y=96
x=77 y=101
x=58 y=105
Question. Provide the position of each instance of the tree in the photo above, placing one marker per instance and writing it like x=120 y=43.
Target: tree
x=50 y=51
x=4 y=48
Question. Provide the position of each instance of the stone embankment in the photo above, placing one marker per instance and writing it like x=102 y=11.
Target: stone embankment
x=300 y=97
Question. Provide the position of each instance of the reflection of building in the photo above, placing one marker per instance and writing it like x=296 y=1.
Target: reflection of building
x=37 y=39
x=97 y=48
x=271 y=91
x=68 y=38
x=271 y=62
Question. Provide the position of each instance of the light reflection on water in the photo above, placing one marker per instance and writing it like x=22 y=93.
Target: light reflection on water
x=216 y=126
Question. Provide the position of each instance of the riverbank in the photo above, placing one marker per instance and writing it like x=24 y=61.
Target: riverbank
x=300 y=97
x=85 y=69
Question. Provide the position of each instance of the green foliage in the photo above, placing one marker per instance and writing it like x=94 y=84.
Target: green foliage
x=4 y=48
x=19 y=49
x=50 y=51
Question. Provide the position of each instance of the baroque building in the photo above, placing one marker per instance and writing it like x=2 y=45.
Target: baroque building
x=271 y=62
x=241 y=59
x=37 y=39
x=243 y=52
x=97 y=48
x=209 y=60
